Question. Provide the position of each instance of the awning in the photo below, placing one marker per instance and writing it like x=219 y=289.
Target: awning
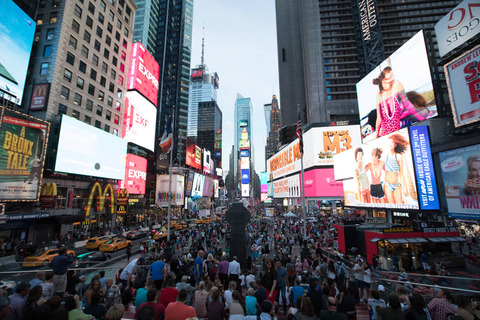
x=447 y=239
x=405 y=240
x=375 y=239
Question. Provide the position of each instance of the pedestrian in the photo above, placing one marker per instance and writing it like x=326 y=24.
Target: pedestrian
x=60 y=265
x=179 y=310
x=234 y=271
x=440 y=306
x=17 y=302
x=129 y=253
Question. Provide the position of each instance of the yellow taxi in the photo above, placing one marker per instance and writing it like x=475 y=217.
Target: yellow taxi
x=95 y=242
x=43 y=258
x=159 y=235
x=202 y=220
x=181 y=226
x=115 y=245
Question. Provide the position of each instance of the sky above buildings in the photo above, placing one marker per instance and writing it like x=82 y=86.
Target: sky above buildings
x=241 y=46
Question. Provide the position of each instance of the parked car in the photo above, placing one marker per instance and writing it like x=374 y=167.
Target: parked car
x=91 y=258
x=115 y=245
x=95 y=242
x=43 y=258
x=136 y=234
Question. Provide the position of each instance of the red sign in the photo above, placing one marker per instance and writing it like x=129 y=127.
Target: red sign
x=321 y=183
x=144 y=72
x=135 y=175
x=39 y=96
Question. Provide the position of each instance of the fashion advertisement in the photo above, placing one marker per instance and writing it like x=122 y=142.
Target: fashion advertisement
x=383 y=174
x=461 y=178
x=398 y=92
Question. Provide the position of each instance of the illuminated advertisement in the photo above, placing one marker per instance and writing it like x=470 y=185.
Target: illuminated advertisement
x=219 y=172
x=270 y=189
x=16 y=38
x=193 y=155
x=217 y=154
x=343 y=169
x=197 y=74
x=424 y=169
x=177 y=190
x=135 y=175
x=263 y=197
x=243 y=123
x=463 y=87
x=461 y=178
x=287 y=187
x=207 y=157
x=244 y=153
x=244 y=144
x=39 y=97
x=23 y=141
x=198 y=183
x=143 y=73
x=189 y=186
x=245 y=190
x=245 y=175
x=218 y=140
x=86 y=150
x=208 y=187
x=398 y=92
x=198 y=157
x=458 y=26
x=245 y=163
x=216 y=189
x=263 y=182
x=384 y=174
x=244 y=134
x=139 y=120
x=321 y=183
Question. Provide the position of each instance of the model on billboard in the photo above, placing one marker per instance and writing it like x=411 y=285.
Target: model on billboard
x=472 y=184
x=376 y=167
x=361 y=177
x=398 y=181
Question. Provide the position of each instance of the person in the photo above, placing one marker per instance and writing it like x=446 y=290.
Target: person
x=440 y=306
x=200 y=301
x=115 y=312
x=141 y=296
x=227 y=296
x=316 y=296
x=358 y=278
x=94 y=287
x=282 y=281
x=397 y=175
x=249 y=279
x=44 y=311
x=198 y=267
x=367 y=280
x=361 y=178
x=260 y=292
x=216 y=308
x=17 y=302
x=331 y=311
x=251 y=303
x=187 y=286
x=237 y=306
x=269 y=281
x=394 y=309
x=95 y=308
x=71 y=305
x=60 y=265
x=129 y=253
x=112 y=295
x=47 y=286
x=296 y=291
x=374 y=302
x=210 y=267
x=179 y=310
x=376 y=168
x=72 y=282
x=126 y=275
x=473 y=172
x=465 y=308
x=38 y=279
x=267 y=310
x=33 y=299
x=169 y=293
x=102 y=278
x=306 y=310
x=151 y=302
x=418 y=308
x=147 y=313
x=234 y=271
x=156 y=272
x=222 y=271
x=346 y=303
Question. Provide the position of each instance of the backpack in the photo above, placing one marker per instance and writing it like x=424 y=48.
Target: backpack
x=341 y=271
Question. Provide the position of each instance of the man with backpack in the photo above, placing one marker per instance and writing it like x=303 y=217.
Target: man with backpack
x=341 y=271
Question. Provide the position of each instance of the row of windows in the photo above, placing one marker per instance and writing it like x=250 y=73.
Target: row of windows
x=63 y=109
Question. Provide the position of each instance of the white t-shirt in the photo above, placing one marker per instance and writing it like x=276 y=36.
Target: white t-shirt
x=367 y=276
x=129 y=269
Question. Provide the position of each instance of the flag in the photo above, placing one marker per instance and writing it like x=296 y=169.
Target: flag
x=299 y=132
x=167 y=137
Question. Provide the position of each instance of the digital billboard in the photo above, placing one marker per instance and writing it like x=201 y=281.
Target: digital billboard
x=177 y=190
x=139 y=121
x=193 y=155
x=263 y=182
x=16 y=38
x=244 y=153
x=245 y=190
x=245 y=175
x=39 y=96
x=189 y=186
x=461 y=178
x=198 y=183
x=398 y=92
x=463 y=82
x=207 y=187
x=287 y=187
x=216 y=192
x=135 y=175
x=143 y=73
x=384 y=174
x=23 y=141
x=244 y=134
x=207 y=157
x=85 y=150
x=244 y=144
x=244 y=163
x=321 y=183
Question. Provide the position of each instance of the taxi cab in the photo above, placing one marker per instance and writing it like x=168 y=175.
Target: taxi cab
x=202 y=220
x=160 y=235
x=115 y=245
x=43 y=258
x=181 y=226
x=95 y=242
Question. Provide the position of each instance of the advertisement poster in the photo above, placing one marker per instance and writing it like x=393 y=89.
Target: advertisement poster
x=244 y=154
x=16 y=38
x=198 y=183
x=177 y=190
x=321 y=183
x=143 y=73
x=207 y=157
x=39 y=97
x=461 y=178
x=263 y=182
x=135 y=175
x=398 y=92
x=244 y=163
x=245 y=175
x=23 y=141
x=287 y=187
x=463 y=87
x=139 y=121
x=245 y=190
x=384 y=174
x=189 y=186
x=207 y=187
x=424 y=168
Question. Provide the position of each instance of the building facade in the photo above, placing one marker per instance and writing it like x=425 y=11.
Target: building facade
x=209 y=126
x=274 y=123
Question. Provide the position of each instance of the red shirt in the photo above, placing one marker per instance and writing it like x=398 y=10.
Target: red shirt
x=179 y=311
x=168 y=295
x=159 y=309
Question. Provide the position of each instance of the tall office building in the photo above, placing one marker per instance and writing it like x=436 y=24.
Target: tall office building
x=318 y=49
x=209 y=129
x=274 y=124
x=243 y=119
x=267 y=109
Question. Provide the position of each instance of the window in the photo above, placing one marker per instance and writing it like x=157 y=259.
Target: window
x=102 y=5
x=101 y=95
x=87 y=119
x=75 y=26
x=72 y=42
x=76 y=114
x=107 y=128
x=55 y=3
x=108 y=115
x=70 y=58
x=124 y=43
x=115 y=48
x=103 y=81
x=113 y=74
x=109 y=101
x=117 y=35
x=125 y=32
x=98 y=124
x=85 y=52
x=62 y=109
x=124 y=55
x=86 y=36
x=118 y=105
x=39 y=19
x=108 y=40
x=78 y=11
x=99 y=110
x=53 y=17
x=91 y=89
x=115 y=131
x=104 y=67
x=111 y=87
x=111 y=15
x=49 y=35
x=120 y=80
x=93 y=74
x=114 y=61
x=101 y=18
x=80 y=82
x=106 y=53
x=89 y=105
x=44 y=68
x=116 y=119
x=122 y=67
x=99 y=32
x=97 y=45
x=42 y=4
x=109 y=27
x=77 y=99
x=47 y=51
x=36 y=36
x=82 y=67
x=91 y=8
x=95 y=59
x=65 y=92
x=119 y=93
x=67 y=75
x=89 y=22
x=119 y=24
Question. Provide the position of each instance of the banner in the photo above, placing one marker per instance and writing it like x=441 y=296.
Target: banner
x=135 y=175
x=198 y=184
x=177 y=190
x=287 y=187
x=143 y=73
x=188 y=189
x=39 y=97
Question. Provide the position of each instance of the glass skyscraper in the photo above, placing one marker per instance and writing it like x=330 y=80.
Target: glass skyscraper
x=243 y=119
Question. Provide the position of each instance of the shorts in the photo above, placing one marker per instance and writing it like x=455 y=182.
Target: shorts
x=367 y=284
x=376 y=191
x=359 y=283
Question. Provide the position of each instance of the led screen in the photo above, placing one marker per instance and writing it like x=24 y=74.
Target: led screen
x=144 y=72
x=207 y=187
x=245 y=176
x=135 y=175
x=321 y=183
x=244 y=153
x=85 y=150
x=245 y=190
x=177 y=190
x=287 y=187
x=461 y=178
x=402 y=93
x=207 y=157
x=139 y=121
x=16 y=38
x=263 y=182
x=244 y=163
x=188 y=188
x=198 y=183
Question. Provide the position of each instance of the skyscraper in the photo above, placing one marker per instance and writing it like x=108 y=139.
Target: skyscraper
x=243 y=120
x=274 y=122
x=209 y=126
x=267 y=109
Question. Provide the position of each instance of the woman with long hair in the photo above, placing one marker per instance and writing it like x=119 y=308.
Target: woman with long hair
x=361 y=178
x=331 y=274
x=465 y=308
x=269 y=281
x=94 y=286
x=376 y=168
x=418 y=308
x=306 y=311
x=237 y=306
x=227 y=296
x=200 y=301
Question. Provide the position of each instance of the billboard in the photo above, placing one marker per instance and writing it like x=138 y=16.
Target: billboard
x=245 y=190
x=189 y=186
x=143 y=73
x=321 y=183
x=458 y=26
x=398 y=92
x=39 y=96
x=139 y=121
x=23 y=141
x=16 y=38
x=245 y=176
x=244 y=134
x=287 y=187
x=244 y=144
x=198 y=183
x=177 y=190
x=383 y=175
x=244 y=153
x=243 y=123
x=135 y=175
x=85 y=150
x=263 y=182
x=461 y=178
x=197 y=74
x=463 y=82
x=218 y=140
x=245 y=163
x=193 y=155
x=216 y=192
x=263 y=196
x=208 y=187
x=207 y=157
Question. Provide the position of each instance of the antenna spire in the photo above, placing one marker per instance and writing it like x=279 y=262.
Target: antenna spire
x=203 y=47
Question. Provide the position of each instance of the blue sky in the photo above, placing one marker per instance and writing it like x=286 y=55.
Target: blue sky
x=241 y=46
